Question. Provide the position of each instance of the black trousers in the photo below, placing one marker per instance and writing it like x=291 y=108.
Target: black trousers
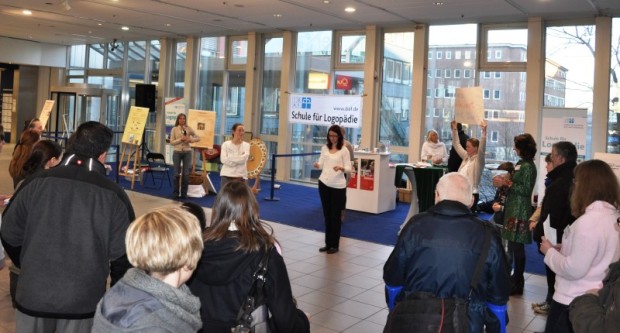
x=517 y=253
x=557 y=319
x=550 y=284
x=333 y=201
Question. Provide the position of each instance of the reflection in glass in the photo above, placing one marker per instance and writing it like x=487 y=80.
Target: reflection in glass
x=613 y=138
x=353 y=49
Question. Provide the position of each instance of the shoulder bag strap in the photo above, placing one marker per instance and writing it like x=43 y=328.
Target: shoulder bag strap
x=483 y=256
x=244 y=316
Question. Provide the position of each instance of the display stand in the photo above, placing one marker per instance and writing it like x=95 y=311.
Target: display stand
x=127 y=167
x=256 y=162
x=372 y=188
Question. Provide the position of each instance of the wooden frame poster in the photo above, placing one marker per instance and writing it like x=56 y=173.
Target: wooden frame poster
x=203 y=124
x=134 y=127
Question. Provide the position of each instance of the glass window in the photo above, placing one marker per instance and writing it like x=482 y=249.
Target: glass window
x=448 y=54
x=458 y=39
x=514 y=52
x=77 y=56
x=179 y=69
x=486 y=75
x=613 y=133
x=467 y=73
x=494 y=135
x=457 y=73
x=457 y=55
x=439 y=54
x=96 y=52
x=430 y=55
x=497 y=75
x=496 y=94
x=352 y=49
x=314 y=49
x=238 y=51
x=447 y=73
x=438 y=73
x=570 y=65
x=486 y=94
x=437 y=112
x=270 y=99
x=116 y=52
x=396 y=95
x=211 y=81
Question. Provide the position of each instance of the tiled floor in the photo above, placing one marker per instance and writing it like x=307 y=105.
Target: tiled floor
x=341 y=292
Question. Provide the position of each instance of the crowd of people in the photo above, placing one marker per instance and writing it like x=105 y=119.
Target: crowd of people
x=169 y=271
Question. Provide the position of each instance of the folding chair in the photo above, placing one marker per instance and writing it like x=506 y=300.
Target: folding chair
x=157 y=164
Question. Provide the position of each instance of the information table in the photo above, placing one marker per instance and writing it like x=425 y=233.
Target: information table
x=371 y=186
x=423 y=181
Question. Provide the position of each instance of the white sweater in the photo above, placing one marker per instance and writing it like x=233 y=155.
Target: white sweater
x=589 y=246
x=437 y=150
x=327 y=161
x=234 y=159
x=472 y=166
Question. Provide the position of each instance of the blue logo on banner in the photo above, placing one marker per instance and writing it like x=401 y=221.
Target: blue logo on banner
x=306 y=103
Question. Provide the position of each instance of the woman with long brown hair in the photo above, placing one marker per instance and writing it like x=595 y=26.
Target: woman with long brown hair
x=235 y=243
x=21 y=154
x=589 y=245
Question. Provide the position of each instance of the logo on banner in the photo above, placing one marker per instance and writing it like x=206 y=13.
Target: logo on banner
x=302 y=103
x=570 y=120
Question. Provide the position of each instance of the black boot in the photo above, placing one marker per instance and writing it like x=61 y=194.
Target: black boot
x=516 y=285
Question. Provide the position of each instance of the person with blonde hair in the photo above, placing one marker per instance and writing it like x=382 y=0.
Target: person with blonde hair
x=589 y=245
x=164 y=246
x=434 y=148
x=235 y=243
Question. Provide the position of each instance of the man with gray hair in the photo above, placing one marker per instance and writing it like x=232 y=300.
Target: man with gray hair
x=437 y=252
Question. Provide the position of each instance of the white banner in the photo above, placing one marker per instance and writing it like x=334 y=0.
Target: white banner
x=560 y=124
x=323 y=110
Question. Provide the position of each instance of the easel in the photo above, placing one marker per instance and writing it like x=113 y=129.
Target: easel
x=130 y=150
x=205 y=174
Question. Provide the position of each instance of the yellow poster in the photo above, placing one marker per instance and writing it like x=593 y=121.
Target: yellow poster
x=46 y=111
x=468 y=105
x=134 y=128
x=203 y=123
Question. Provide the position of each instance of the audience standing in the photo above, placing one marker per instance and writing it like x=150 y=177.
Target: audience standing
x=437 y=252
x=65 y=228
x=589 y=245
x=235 y=243
x=518 y=208
x=164 y=246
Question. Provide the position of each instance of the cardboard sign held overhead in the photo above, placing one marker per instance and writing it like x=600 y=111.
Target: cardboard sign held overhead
x=468 y=105
x=46 y=111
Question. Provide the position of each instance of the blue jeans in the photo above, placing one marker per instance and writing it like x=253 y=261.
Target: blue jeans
x=178 y=158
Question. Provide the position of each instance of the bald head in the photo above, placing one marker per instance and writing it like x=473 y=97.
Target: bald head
x=456 y=187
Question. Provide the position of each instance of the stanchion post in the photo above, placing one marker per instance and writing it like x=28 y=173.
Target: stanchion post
x=273 y=179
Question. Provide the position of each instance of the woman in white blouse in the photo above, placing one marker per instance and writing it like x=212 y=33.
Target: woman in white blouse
x=434 y=148
x=234 y=157
x=335 y=162
x=473 y=157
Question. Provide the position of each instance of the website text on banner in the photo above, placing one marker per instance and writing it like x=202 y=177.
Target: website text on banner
x=322 y=110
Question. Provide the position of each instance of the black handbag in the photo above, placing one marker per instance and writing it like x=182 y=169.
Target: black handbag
x=424 y=312
x=253 y=316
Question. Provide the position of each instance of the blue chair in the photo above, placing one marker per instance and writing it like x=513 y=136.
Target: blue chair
x=392 y=292
x=500 y=312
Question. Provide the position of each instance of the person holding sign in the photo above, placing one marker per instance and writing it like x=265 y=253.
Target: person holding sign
x=473 y=157
x=334 y=162
x=180 y=137
x=234 y=157
x=434 y=148
x=589 y=245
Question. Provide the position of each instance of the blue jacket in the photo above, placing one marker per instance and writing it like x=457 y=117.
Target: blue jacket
x=437 y=252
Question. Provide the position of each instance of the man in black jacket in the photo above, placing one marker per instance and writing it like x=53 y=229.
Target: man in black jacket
x=65 y=227
x=454 y=160
x=556 y=206
x=437 y=252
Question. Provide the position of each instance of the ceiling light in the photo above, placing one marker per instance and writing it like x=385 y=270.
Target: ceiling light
x=26 y=12
x=125 y=28
x=438 y=3
x=327 y=2
x=277 y=15
x=349 y=9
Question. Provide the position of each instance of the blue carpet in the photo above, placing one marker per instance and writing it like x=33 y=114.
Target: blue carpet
x=300 y=206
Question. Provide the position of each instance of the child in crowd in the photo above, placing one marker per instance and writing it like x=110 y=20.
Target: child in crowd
x=496 y=206
x=164 y=246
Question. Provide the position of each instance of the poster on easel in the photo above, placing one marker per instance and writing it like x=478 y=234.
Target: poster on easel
x=468 y=105
x=354 y=172
x=134 y=127
x=203 y=124
x=367 y=174
x=46 y=111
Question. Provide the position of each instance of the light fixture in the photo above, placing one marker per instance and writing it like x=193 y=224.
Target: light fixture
x=327 y=2
x=65 y=4
x=438 y=3
x=26 y=12
x=277 y=15
x=350 y=9
x=125 y=28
